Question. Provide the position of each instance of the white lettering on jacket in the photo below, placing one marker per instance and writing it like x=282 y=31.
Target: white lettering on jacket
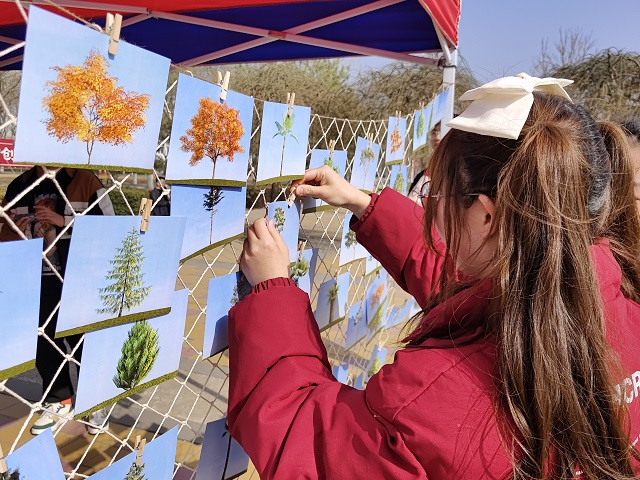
x=629 y=388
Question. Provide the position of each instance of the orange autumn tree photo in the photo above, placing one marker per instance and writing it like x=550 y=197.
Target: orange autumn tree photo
x=87 y=104
x=216 y=131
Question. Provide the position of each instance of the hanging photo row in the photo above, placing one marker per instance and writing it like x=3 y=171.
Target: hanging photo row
x=426 y=118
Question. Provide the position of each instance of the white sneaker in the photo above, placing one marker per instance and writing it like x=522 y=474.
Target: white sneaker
x=97 y=421
x=52 y=415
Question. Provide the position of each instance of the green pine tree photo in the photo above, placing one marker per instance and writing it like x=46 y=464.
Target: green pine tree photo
x=212 y=198
x=299 y=269
x=136 y=472
x=350 y=240
x=285 y=129
x=127 y=290
x=398 y=185
x=139 y=352
x=376 y=365
x=279 y=219
x=421 y=123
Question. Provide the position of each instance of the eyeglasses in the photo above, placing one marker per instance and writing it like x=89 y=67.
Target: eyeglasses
x=424 y=194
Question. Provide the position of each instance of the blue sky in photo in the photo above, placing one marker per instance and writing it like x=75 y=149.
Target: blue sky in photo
x=355 y=331
x=341 y=372
x=47 y=467
x=295 y=153
x=216 y=335
x=317 y=160
x=371 y=264
x=21 y=262
x=94 y=242
x=392 y=315
x=359 y=382
x=190 y=91
x=103 y=351
x=158 y=458
x=323 y=306
x=228 y=221
x=363 y=176
x=291 y=225
x=395 y=169
x=214 y=453
x=55 y=41
x=401 y=123
x=307 y=281
x=439 y=107
x=352 y=253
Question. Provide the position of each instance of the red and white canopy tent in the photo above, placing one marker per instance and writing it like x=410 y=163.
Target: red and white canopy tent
x=201 y=32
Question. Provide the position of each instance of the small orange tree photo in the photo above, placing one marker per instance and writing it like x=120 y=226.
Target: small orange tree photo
x=86 y=104
x=216 y=131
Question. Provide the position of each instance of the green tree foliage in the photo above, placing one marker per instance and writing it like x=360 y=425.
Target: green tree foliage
x=421 y=123
x=12 y=475
x=376 y=322
x=350 y=239
x=376 y=365
x=127 y=290
x=279 y=219
x=333 y=298
x=136 y=472
x=285 y=129
x=329 y=162
x=139 y=352
x=299 y=269
x=240 y=290
x=212 y=198
x=398 y=184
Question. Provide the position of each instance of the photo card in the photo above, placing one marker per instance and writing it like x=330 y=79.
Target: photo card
x=20 y=278
x=210 y=137
x=214 y=216
x=284 y=139
x=120 y=361
x=116 y=274
x=221 y=456
x=82 y=107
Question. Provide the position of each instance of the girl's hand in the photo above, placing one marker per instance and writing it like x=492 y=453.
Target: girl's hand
x=264 y=255
x=325 y=184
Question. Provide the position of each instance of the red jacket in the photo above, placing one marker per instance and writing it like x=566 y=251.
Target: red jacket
x=429 y=414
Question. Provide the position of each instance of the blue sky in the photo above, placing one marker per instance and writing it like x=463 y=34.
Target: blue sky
x=19 y=299
x=103 y=351
x=503 y=37
x=158 y=457
x=216 y=335
x=55 y=41
x=295 y=153
x=48 y=466
x=362 y=176
x=214 y=452
x=228 y=221
x=291 y=225
x=94 y=242
x=317 y=160
x=371 y=264
x=190 y=91
x=401 y=123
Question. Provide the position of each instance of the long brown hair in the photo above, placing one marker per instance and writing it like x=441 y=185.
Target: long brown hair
x=557 y=372
x=622 y=225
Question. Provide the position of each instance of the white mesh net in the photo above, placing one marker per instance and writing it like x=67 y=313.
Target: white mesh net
x=198 y=394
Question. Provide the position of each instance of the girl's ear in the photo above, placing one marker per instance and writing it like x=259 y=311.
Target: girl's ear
x=489 y=223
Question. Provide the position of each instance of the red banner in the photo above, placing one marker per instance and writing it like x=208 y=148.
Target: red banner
x=6 y=154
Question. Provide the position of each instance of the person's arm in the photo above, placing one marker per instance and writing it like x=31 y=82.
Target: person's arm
x=392 y=230
x=289 y=413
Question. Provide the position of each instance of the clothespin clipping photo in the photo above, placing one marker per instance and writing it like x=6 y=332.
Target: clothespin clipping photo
x=290 y=101
x=145 y=213
x=3 y=464
x=224 y=85
x=113 y=26
x=332 y=146
x=140 y=444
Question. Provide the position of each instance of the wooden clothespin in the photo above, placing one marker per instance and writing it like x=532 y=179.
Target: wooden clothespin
x=301 y=246
x=292 y=197
x=113 y=26
x=145 y=213
x=3 y=464
x=224 y=85
x=290 y=99
x=369 y=139
x=140 y=444
x=332 y=146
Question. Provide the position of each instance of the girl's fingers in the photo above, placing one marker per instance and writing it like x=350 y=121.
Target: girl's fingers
x=260 y=228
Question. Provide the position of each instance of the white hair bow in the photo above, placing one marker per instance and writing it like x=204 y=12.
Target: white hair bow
x=501 y=107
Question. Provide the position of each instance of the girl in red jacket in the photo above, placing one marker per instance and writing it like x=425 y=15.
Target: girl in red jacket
x=517 y=372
